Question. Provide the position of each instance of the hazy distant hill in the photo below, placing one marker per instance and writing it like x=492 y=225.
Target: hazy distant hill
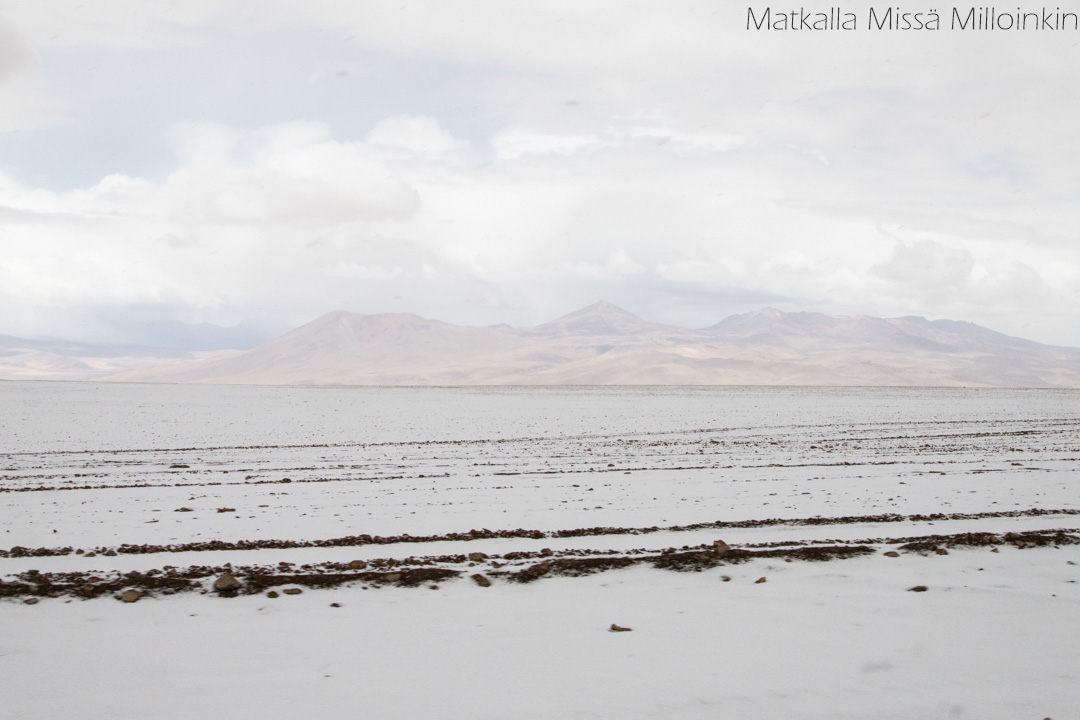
x=22 y=359
x=606 y=345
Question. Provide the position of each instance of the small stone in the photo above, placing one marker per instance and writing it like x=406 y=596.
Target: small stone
x=227 y=582
x=760 y=580
x=392 y=577
x=292 y=591
x=892 y=553
x=546 y=552
x=918 y=588
x=130 y=596
x=335 y=604
x=619 y=628
x=477 y=557
x=90 y=554
x=1020 y=544
x=721 y=548
x=31 y=601
x=725 y=578
x=225 y=510
x=183 y=509
x=941 y=551
x=272 y=594
x=993 y=549
x=357 y=565
x=109 y=553
x=481 y=580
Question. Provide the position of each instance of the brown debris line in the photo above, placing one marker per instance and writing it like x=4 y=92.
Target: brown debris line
x=692 y=560
x=415 y=571
x=1037 y=538
x=485 y=534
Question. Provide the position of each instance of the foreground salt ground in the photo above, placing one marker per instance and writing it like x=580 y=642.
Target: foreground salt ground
x=992 y=637
x=609 y=521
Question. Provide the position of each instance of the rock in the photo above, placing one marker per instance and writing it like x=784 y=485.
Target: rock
x=226 y=583
x=760 y=580
x=392 y=577
x=272 y=594
x=292 y=591
x=335 y=604
x=546 y=552
x=225 y=510
x=725 y=578
x=892 y=553
x=918 y=588
x=109 y=553
x=481 y=580
x=31 y=601
x=1020 y=544
x=477 y=557
x=130 y=596
x=993 y=549
x=357 y=565
x=183 y=509
x=619 y=628
x=90 y=554
x=941 y=551
x=720 y=548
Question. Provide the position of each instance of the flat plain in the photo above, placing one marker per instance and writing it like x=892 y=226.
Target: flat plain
x=472 y=552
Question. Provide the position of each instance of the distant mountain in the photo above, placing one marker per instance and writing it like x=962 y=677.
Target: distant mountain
x=21 y=358
x=606 y=345
x=194 y=337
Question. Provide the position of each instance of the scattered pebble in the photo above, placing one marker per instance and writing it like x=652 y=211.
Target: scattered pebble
x=130 y=596
x=760 y=580
x=918 y=588
x=619 y=628
x=292 y=591
x=892 y=553
x=481 y=580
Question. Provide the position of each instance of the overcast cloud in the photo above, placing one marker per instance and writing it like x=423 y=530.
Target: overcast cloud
x=489 y=161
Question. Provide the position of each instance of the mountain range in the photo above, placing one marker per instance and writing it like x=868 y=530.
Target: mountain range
x=605 y=345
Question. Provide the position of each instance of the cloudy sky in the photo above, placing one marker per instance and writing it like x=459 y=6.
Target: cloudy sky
x=497 y=161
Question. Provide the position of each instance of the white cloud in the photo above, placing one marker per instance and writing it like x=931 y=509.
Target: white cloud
x=619 y=265
x=512 y=144
x=415 y=134
x=361 y=272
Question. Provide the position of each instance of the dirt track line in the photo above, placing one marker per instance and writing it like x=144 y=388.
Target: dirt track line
x=413 y=571
x=485 y=534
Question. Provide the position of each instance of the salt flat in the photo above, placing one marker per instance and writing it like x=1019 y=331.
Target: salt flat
x=582 y=507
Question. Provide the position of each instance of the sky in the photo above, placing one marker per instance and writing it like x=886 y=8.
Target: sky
x=482 y=162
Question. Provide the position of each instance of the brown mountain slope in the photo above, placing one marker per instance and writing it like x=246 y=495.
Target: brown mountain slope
x=605 y=345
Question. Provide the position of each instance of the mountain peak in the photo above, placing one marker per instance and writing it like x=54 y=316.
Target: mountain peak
x=600 y=318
